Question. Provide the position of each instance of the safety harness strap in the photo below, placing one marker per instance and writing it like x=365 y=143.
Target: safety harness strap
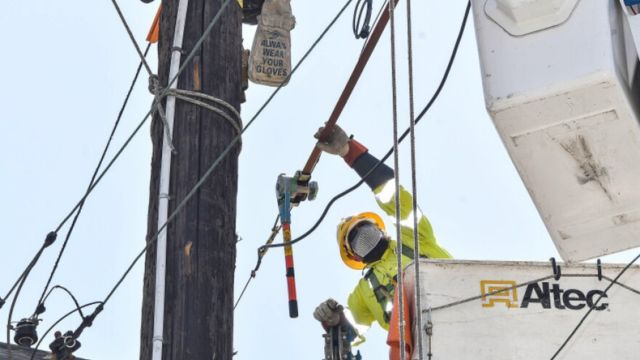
x=384 y=294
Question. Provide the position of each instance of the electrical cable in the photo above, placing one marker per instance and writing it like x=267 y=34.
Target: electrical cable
x=595 y=304
x=396 y=179
x=50 y=239
x=135 y=131
x=212 y=167
x=434 y=97
x=414 y=183
x=388 y=154
x=274 y=232
x=95 y=173
x=362 y=27
x=35 y=350
x=41 y=308
x=143 y=57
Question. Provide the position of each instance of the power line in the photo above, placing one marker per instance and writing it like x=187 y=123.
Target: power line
x=595 y=304
x=414 y=188
x=135 y=131
x=209 y=171
x=95 y=173
x=142 y=56
x=262 y=250
x=388 y=154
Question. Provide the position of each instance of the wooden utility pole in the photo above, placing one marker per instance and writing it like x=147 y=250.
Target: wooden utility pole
x=201 y=241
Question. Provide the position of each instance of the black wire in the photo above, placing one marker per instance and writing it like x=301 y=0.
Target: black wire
x=41 y=308
x=209 y=171
x=51 y=237
x=362 y=28
x=33 y=353
x=381 y=161
x=93 y=177
x=604 y=293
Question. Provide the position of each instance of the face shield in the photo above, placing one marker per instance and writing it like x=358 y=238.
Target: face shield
x=364 y=238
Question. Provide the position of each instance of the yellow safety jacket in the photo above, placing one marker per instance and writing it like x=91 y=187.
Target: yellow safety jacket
x=372 y=298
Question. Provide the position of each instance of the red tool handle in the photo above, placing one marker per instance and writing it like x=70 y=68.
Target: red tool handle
x=291 y=276
x=351 y=84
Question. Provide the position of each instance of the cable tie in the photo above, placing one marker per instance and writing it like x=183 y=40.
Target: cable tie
x=178 y=49
x=164 y=196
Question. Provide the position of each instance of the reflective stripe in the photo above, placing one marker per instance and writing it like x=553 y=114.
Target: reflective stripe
x=386 y=192
x=384 y=293
x=408 y=221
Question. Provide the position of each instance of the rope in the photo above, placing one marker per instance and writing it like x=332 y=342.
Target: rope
x=212 y=167
x=414 y=184
x=188 y=96
x=396 y=169
x=93 y=177
x=586 y=315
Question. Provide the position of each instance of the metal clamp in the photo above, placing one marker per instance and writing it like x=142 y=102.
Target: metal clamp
x=557 y=273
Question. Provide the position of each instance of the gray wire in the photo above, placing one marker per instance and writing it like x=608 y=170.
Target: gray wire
x=606 y=290
x=414 y=182
x=214 y=165
x=95 y=173
x=396 y=165
x=132 y=37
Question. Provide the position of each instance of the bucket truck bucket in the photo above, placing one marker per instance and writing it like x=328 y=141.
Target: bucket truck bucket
x=519 y=310
x=561 y=85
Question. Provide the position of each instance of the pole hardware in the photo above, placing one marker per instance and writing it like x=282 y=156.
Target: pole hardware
x=557 y=273
x=64 y=345
x=599 y=266
x=26 y=332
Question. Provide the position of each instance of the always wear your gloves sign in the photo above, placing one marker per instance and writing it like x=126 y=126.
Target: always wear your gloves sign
x=270 y=61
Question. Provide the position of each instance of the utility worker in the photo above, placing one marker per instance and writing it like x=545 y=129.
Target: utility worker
x=364 y=245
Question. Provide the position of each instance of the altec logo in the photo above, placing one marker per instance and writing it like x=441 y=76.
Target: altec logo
x=541 y=294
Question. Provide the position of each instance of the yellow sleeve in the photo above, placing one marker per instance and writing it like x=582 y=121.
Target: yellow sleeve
x=385 y=197
x=357 y=305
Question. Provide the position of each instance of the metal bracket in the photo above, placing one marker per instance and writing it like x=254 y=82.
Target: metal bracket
x=599 y=266
x=557 y=273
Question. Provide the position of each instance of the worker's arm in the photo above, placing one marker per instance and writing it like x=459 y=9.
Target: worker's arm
x=380 y=179
x=358 y=306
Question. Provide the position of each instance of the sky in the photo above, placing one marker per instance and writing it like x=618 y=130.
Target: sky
x=67 y=66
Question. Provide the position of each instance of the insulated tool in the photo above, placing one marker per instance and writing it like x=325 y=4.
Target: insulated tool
x=337 y=343
x=290 y=191
x=367 y=51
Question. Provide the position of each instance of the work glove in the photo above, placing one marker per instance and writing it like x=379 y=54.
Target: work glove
x=270 y=60
x=329 y=313
x=337 y=143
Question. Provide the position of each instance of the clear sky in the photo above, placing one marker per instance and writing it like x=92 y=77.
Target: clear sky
x=66 y=67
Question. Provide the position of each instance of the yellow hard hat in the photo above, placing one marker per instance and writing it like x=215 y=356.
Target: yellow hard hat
x=345 y=227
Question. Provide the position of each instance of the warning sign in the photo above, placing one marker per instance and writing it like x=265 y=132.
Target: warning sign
x=270 y=62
